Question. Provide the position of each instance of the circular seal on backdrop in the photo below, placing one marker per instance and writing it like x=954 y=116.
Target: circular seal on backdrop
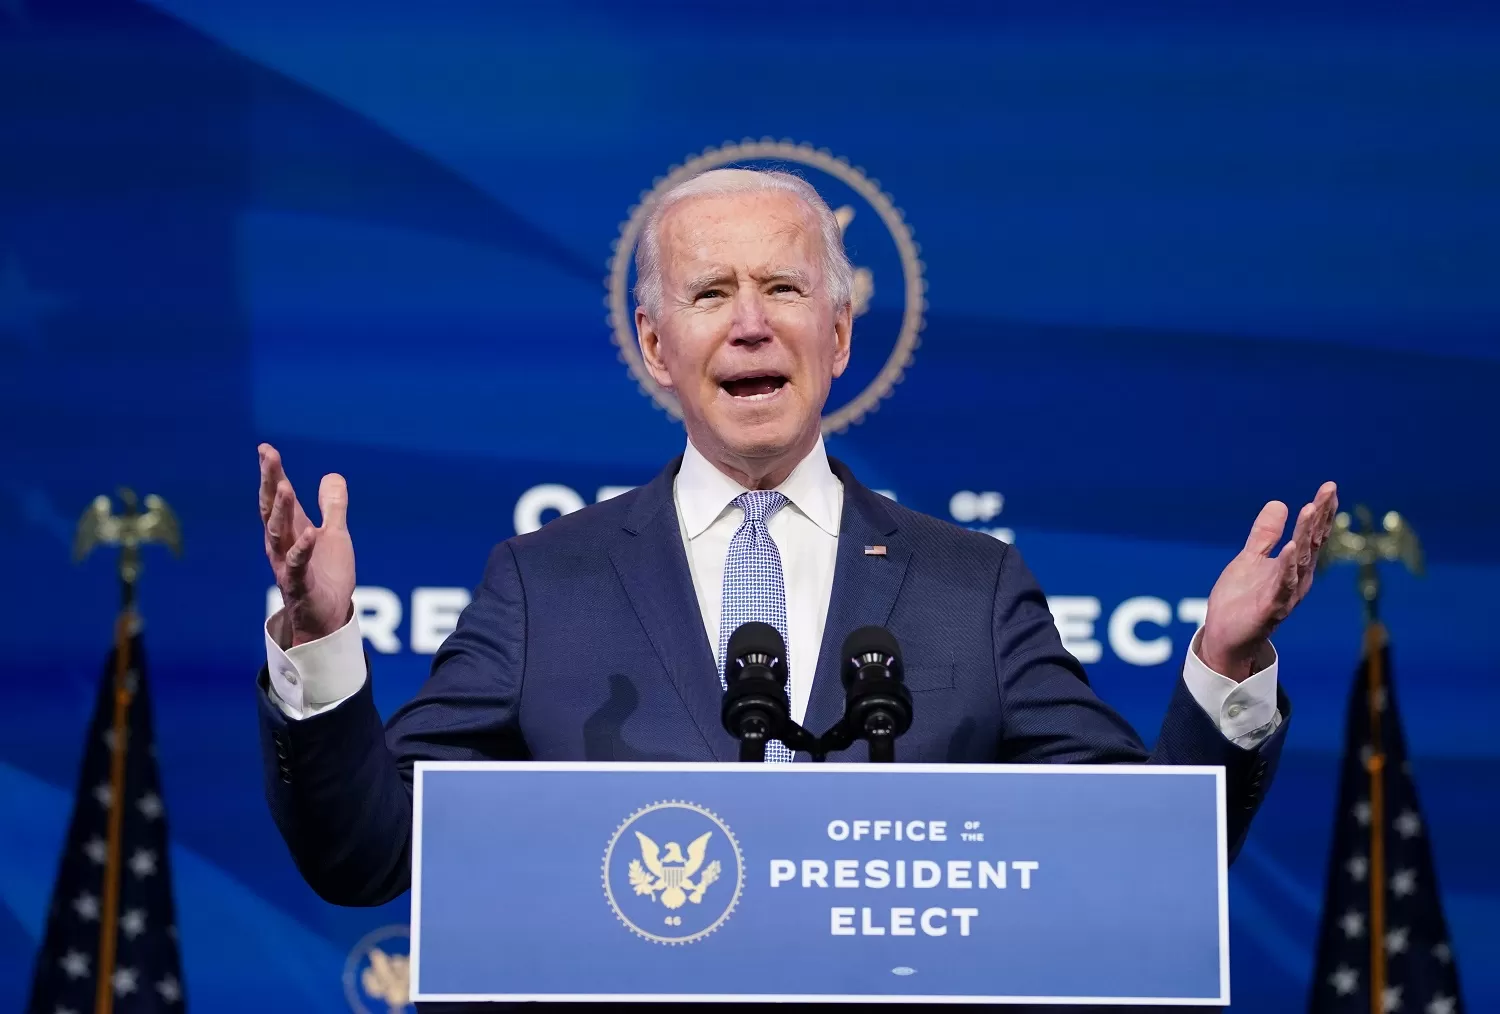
x=673 y=872
x=889 y=290
x=377 y=973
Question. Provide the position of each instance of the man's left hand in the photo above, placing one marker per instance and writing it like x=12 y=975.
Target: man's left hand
x=1257 y=590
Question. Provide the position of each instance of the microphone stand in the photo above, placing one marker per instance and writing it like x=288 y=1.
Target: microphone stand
x=753 y=749
x=882 y=746
x=843 y=735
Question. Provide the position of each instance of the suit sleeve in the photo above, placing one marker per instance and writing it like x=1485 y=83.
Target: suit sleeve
x=339 y=784
x=1050 y=714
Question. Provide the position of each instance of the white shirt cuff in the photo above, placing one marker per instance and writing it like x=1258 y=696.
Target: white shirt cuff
x=317 y=676
x=1244 y=712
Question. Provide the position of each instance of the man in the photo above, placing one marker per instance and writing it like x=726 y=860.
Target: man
x=599 y=636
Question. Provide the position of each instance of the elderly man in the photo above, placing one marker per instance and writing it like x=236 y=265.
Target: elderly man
x=602 y=636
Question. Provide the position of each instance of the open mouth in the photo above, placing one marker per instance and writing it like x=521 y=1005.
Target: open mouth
x=754 y=387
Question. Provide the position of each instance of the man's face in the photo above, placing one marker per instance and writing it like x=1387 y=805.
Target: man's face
x=746 y=335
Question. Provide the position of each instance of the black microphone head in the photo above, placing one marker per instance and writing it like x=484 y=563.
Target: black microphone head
x=867 y=645
x=755 y=704
x=760 y=642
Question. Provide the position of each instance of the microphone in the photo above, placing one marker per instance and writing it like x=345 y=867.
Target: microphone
x=755 y=707
x=878 y=705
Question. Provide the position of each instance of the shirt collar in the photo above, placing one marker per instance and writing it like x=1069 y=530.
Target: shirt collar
x=704 y=492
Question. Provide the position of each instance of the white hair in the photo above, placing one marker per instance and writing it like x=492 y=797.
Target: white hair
x=838 y=274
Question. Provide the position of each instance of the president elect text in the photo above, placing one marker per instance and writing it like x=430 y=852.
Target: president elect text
x=950 y=874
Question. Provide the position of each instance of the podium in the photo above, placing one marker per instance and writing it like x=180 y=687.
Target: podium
x=823 y=883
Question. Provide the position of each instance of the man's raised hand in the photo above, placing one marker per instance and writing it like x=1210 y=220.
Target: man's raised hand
x=314 y=566
x=1257 y=590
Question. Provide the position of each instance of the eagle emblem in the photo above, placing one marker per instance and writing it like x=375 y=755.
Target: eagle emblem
x=671 y=873
x=377 y=974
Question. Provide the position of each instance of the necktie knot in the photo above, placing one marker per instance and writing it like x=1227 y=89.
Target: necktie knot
x=760 y=504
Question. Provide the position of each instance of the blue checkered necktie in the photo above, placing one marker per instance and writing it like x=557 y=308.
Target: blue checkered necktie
x=754 y=589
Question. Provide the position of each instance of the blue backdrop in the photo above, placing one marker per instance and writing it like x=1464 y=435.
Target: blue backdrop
x=1168 y=262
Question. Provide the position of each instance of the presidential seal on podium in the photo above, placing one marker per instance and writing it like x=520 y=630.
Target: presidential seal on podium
x=673 y=872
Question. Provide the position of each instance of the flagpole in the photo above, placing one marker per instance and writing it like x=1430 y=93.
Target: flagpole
x=99 y=526
x=128 y=531
x=125 y=624
x=1369 y=546
x=1393 y=540
x=1374 y=645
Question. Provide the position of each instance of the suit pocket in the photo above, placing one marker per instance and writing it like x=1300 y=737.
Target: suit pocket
x=927 y=667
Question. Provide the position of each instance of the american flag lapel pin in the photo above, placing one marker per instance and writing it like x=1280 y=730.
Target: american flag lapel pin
x=874 y=550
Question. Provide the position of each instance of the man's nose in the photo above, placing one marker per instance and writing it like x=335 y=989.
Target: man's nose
x=750 y=325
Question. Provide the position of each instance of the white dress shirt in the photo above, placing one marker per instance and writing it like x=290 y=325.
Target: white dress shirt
x=806 y=533
x=314 y=677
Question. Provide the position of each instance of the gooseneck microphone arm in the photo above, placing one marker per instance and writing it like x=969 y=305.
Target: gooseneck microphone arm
x=756 y=710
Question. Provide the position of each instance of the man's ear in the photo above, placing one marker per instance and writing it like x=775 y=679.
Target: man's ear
x=651 y=351
x=843 y=336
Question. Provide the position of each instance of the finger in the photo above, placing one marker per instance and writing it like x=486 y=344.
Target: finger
x=1267 y=529
x=279 y=524
x=297 y=559
x=1288 y=577
x=1302 y=534
x=1328 y=493
x=333 y=501
x=271 y=474
x=1326 y=505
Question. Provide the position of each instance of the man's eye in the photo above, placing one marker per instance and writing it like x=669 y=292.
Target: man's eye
x=711 y=294
x=783 y=287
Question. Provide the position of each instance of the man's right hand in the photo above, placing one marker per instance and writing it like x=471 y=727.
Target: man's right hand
x=314 y=566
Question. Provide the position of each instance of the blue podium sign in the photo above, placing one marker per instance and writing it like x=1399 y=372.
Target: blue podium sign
x=819 y=883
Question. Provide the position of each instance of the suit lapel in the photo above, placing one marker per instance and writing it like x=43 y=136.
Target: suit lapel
x=864 y=590
x=653 y=568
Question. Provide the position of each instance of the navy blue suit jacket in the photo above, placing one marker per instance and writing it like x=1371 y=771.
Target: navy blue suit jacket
x=585 y=642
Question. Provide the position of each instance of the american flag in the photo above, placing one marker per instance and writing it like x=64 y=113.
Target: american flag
x=126 y=891
x=1403 y=930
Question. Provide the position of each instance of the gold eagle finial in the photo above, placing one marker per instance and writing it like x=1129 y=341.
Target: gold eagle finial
x=1369 y=546
x=100 y=526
